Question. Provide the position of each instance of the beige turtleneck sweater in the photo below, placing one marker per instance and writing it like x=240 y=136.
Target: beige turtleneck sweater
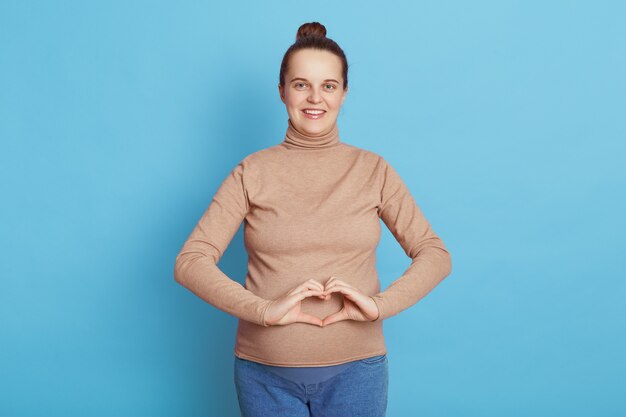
x=311 y=207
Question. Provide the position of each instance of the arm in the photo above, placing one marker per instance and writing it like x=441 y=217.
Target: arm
x=196 y=264
x=431 y=262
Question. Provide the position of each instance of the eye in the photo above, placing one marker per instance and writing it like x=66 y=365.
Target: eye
x=297 y=85
x=332 y=87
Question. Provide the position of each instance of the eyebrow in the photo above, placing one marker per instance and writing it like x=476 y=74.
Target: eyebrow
x=304 y=79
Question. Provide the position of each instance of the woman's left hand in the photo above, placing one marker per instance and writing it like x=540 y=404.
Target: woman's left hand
x=356 y=305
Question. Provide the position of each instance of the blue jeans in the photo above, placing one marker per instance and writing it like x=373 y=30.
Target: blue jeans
x=358 y=391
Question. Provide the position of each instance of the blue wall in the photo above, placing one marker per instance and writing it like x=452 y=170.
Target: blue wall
x=118 y=121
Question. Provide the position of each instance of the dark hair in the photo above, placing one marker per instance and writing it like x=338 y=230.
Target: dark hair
x=313 y=36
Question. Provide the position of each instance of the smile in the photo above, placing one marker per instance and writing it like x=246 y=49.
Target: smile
x=313 y=114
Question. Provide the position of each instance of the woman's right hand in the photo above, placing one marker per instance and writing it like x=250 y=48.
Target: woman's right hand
x=286 y=309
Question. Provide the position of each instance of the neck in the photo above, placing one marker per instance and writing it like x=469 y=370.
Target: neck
x=298 y=140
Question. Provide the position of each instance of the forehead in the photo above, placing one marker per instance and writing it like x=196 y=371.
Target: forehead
x=314 y=64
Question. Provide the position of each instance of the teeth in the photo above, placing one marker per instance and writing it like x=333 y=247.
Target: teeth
x=313 y=111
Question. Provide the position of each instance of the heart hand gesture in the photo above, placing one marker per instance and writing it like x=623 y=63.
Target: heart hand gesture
x=287 y=309
x=356 y=305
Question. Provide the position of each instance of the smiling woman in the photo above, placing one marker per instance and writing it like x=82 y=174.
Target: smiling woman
x=310 y=337
x=313 y=101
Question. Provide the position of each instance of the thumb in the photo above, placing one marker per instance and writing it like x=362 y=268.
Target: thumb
x=335 y=317
x=308 y=318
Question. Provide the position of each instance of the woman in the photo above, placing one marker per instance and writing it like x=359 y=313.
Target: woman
x=310 y=337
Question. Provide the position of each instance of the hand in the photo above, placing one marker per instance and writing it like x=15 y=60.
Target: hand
x=287 y=309
x=356 y=305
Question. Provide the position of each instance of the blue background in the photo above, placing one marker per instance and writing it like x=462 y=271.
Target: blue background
x=119 y=120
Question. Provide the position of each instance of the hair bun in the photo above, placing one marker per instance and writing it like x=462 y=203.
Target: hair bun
x=312 y=29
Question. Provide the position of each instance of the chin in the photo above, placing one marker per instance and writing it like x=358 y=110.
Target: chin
x=316 y=129
x=314 y=126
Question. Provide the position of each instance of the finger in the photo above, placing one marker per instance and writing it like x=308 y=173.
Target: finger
x=313 y=284
x=336 y=281
x=335 y=317
x=340 y=288
x=316 y=283
x=302 y=287
x=307 y=293
x=332 y=278
x=307 y=285
x=294 y=299
x=308 y=318
x=351 y=294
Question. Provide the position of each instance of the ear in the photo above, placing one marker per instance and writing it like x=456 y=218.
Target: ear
x=281 y=93
x=345 y=92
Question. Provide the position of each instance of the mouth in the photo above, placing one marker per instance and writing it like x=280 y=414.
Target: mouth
x=313 y=114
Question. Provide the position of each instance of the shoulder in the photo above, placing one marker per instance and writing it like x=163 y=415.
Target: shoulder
x=261 y=157
x=382 y=169
x=256 y=165
x=366 y=155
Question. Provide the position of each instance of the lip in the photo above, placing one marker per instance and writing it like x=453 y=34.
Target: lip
x=313 y=116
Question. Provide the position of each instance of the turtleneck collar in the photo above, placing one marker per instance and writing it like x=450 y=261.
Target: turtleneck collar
x=297 y=140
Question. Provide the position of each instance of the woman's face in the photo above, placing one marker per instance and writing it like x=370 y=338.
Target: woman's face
x=313 y=82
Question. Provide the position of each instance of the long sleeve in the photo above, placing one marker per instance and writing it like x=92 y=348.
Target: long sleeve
x=431 y=261
x=196 y=264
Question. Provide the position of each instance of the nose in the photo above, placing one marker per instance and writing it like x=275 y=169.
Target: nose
x=314 y=97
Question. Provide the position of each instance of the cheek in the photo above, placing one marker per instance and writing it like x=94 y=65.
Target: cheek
x=292 y=106
x=336 y=103
x=294 y=100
